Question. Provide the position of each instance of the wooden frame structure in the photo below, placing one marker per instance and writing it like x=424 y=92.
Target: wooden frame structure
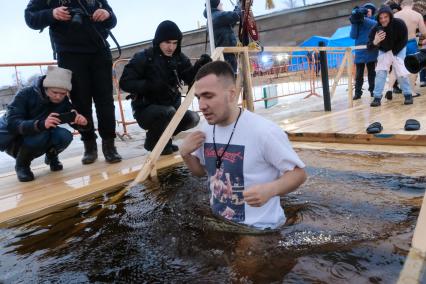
x=414 y=268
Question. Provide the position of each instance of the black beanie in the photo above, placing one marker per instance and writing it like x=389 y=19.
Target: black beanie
x=214 y=3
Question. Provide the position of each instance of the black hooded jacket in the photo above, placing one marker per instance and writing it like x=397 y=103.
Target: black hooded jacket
x=153 y=78
x=396 y=33
x=90 y=37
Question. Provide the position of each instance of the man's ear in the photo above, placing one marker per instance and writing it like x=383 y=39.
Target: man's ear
x=233 y=93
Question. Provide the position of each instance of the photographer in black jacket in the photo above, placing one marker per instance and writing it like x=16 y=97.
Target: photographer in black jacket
x=153 y=77
x=78 y=31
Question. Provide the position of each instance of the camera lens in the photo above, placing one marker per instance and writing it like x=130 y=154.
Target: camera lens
x=77 y=19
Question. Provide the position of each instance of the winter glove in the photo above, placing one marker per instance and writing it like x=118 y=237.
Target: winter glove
x=204 y=59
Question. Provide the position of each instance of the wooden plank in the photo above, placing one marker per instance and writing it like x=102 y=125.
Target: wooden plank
x=419 y=239
x=373 y=148
x=339 y=75
x=414 y=269
x=383 y=139
x=350 y=77
x=248 y=85
x=47 y=194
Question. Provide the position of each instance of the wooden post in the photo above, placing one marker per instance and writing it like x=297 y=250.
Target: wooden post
x=239 y=80
x=339 y=74
x=350 y=76
x=209 y=28
x=415 y=265
x=248 y=85
x=325 y=79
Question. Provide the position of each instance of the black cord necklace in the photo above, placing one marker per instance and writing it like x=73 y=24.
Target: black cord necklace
x=219 y=158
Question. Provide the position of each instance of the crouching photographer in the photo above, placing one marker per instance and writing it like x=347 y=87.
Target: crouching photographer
x=79 y=30
x=154 y=77
x=360 y=31
x=30 y=126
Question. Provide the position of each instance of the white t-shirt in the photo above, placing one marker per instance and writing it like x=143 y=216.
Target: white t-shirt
x=259 y=152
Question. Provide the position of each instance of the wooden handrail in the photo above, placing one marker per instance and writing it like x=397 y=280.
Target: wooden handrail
x=28 y=64
x=288 y=49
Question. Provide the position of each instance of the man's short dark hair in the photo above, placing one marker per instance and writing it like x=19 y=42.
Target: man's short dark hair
x=218 y=68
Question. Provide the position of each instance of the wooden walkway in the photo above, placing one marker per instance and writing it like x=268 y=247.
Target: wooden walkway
x=20 y=202
x=349 y=125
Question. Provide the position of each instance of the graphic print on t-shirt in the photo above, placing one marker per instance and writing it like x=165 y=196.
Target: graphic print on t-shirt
x=227 y=183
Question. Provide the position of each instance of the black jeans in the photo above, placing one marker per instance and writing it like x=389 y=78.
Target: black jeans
x=359 y=79
x=155 y=118
x=92 y=79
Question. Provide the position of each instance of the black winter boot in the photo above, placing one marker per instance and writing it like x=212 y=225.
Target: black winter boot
x=356 y=97
x=90 y=152
x=110 y=152
x=376 y=102
x=52 y=160
x=23 y=163
x=408 y=99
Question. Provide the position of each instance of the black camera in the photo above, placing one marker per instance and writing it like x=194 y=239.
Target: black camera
x=416 y=62
x=358 y=14
x=77 y=15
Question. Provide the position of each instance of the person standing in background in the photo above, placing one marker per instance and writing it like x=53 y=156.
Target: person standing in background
x=223 y=28
x=360 y=30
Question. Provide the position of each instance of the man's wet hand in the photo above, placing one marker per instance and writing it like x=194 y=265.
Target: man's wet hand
x=257 y=195
x=191 y=143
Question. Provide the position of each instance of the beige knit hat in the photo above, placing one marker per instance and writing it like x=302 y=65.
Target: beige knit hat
x=58 y=77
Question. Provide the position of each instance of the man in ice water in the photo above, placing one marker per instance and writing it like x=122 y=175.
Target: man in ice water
x=244 y=145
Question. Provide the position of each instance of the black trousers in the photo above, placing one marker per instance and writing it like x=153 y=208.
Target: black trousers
x=359 y=79
x=92 y=79
x=155 y=118
x=58 y=138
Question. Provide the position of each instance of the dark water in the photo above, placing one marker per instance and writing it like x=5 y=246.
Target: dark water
x=345 y=228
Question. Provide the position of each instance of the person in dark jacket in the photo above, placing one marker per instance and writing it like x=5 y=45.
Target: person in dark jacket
x=390 y=37
x=371 y=10
x=223 y=28
x=153 y=77
x=360 y=31
x=79 y=31
x=32 y=120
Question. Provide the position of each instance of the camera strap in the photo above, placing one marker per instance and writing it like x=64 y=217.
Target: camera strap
x=109 y=32
x=117 y=44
